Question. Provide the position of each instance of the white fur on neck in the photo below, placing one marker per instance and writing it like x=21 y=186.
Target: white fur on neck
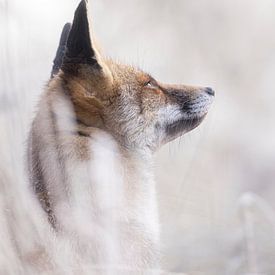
x=112 y=204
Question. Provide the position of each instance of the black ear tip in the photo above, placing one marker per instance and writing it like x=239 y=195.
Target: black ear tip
x=57 y=63
x=83 y=4
x=67 y=26
x=82 y=9
x=65 y=33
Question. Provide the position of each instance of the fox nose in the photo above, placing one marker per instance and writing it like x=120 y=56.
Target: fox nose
x=209 y=91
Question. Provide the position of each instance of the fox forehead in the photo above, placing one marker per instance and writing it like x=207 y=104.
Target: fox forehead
x=123 y=73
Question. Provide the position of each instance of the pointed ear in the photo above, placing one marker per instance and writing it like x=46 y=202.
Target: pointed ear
x=80 y=47
x=57 y=63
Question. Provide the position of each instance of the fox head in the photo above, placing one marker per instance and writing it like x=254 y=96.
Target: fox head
x=136 y=109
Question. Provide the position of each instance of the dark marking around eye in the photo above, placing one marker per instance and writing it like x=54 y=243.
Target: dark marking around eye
x=151 y=83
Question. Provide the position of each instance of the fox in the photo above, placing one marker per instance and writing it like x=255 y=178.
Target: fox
x=91 y=148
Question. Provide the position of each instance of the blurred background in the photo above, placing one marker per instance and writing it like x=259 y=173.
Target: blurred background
x=216 y=185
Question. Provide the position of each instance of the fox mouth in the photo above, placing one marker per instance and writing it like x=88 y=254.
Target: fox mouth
x=182 y=126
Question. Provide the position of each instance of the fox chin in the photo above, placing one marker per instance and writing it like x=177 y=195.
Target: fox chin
x=91 y=147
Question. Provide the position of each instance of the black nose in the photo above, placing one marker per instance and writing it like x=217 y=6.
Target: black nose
x=209 y=91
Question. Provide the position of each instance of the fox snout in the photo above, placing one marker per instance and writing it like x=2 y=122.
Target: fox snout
x=196 y=104
x=190 y=106
x=192 y=101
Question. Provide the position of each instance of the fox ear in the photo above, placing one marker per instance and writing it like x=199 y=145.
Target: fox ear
x=57 y=63
x=80 y=48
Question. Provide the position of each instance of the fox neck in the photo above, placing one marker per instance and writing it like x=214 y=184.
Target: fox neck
x=121 y=178
x=118 y=194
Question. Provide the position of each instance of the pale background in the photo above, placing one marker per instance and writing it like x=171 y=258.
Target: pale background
x=216 y=185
